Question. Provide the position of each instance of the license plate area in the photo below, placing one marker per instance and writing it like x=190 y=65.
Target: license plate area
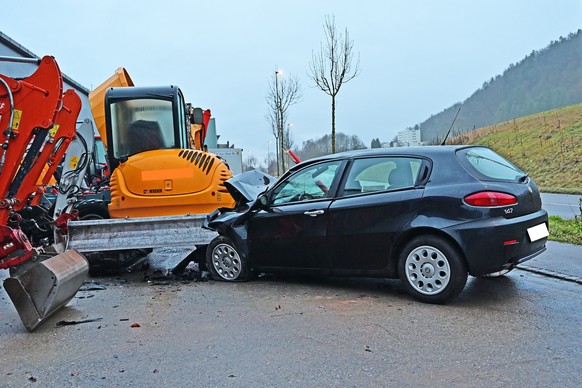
x=538 y=232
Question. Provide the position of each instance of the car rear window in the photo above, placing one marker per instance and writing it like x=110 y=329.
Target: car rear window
x=486 y=164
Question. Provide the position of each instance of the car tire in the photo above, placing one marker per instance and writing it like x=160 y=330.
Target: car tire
x=224 y=262
x=431 y=269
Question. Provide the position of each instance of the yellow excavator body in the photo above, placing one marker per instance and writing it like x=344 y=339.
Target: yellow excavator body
x=169 y=182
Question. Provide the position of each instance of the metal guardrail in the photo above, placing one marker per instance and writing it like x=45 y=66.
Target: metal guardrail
x=137 y=233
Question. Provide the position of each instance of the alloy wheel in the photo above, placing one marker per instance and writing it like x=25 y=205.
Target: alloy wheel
x=226 y=262
x=427 y=270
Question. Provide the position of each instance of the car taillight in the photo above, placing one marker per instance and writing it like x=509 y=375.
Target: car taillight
x=490 y=198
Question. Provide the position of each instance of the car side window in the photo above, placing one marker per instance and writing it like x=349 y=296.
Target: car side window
x=312 y=182
x=381 y=174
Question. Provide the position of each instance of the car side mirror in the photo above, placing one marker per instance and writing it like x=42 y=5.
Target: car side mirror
x=263 y=201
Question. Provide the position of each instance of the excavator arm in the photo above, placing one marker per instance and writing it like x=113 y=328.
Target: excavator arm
x=37 y=123
x=28 y=108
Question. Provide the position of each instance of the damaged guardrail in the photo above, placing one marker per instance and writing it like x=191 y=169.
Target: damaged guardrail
x=138 y=233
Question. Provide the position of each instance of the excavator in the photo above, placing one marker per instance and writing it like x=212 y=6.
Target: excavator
x=154 y=150
x=162 y=183
x=161 y=186
x=37 y=124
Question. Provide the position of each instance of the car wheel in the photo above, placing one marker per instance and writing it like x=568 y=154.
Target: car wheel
x=224 y=262
x=431 y=269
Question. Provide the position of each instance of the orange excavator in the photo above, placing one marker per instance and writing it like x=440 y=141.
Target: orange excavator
x=37 y=124
x=162 y=184
x=154 y=146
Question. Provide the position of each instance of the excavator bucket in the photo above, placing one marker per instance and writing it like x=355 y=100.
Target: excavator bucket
x=40 y=291
x=121 y=78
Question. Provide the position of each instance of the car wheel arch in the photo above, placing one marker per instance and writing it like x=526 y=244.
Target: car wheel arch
x=225 y=261
x=423 y=231
x=432 y=268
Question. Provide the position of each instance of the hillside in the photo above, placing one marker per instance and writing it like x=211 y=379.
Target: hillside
x=543 y=80
x=547 y=145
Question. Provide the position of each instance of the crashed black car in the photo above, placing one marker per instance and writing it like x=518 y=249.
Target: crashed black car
x=430 y=216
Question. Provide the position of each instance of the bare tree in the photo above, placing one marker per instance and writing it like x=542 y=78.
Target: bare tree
x=283 y=92
x=333 y=66
x=272 y=118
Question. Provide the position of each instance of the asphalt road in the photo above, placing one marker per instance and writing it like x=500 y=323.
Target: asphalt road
x=565 y=206
x=522 y=329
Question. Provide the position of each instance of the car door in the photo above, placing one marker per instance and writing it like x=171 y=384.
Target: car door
x=291 y=232
x=377 y=198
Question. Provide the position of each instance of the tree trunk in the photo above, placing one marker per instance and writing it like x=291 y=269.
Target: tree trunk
x=333 y=124
x=281 y=141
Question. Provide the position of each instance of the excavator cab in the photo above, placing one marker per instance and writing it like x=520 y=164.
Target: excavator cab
x=143 y=119
x=157 y=168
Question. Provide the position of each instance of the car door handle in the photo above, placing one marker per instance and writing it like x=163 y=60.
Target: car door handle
x=313 y=213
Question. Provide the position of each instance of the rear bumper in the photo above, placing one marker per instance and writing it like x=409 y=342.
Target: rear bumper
x=497 y=244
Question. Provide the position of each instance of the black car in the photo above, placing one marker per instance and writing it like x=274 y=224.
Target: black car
x=428 y=215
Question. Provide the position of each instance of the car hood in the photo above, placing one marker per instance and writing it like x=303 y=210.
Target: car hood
x=246 y=187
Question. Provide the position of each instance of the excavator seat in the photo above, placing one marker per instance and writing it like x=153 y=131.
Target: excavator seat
x=144 y=135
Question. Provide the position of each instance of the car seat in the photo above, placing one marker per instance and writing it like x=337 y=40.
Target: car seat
x=399 y=178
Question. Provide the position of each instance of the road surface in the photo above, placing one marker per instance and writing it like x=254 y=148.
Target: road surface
x=522 y=329
x=565 y=206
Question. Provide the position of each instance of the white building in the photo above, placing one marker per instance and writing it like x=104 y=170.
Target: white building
x=410 y=137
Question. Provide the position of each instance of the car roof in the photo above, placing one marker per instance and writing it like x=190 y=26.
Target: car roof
x=394 y=151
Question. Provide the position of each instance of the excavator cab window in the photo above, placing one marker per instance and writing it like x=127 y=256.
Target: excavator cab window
x=140 y=119
x=141 y=125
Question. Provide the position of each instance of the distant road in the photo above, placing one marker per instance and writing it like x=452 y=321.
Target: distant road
x=565 y=206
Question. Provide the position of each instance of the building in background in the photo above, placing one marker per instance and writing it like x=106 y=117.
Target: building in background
x=232 y=156
x=410 y=137
x=11 y=49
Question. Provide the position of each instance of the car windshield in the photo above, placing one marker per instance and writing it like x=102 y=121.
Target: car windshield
x=491 y=165
x=310 y=183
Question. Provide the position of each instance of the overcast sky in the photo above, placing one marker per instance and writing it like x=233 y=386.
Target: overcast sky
x=417 y=57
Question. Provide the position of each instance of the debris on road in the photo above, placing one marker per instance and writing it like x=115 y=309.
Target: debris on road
x=69 y=323
x=91 y=286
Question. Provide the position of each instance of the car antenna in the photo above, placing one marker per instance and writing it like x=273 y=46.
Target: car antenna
x=455 y=119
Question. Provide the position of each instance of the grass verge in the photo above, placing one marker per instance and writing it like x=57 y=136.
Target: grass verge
x=566 y=231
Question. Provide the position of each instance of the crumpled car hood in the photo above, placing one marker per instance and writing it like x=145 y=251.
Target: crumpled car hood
x=246 y=187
